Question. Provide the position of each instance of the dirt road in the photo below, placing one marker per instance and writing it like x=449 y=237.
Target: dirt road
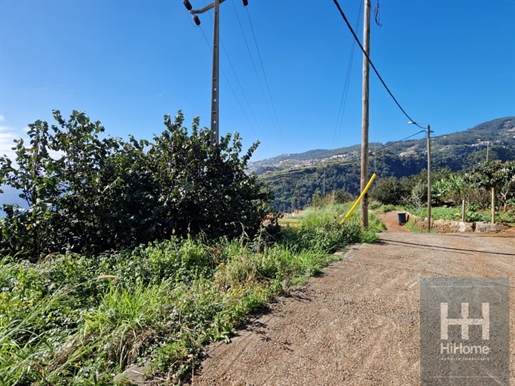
x=358 y=323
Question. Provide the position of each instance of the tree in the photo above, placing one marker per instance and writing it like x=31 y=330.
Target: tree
x=496 y=176
x=391 y=190
x=90 y=194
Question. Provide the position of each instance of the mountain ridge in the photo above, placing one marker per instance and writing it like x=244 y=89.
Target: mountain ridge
x=295 y=179
x=497 y=132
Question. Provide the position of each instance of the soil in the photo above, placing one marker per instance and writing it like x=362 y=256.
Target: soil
x=357 y=323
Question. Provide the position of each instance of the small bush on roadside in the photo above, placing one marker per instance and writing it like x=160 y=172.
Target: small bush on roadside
x=390 y=191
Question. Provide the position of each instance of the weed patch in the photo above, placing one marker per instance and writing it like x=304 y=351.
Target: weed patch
x=77 y=319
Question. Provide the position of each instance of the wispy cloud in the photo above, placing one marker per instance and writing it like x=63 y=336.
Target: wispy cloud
x=7 y=135
x=6 y=139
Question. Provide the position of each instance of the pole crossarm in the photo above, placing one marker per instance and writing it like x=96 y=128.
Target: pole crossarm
x=205 y=9
x=419 y=125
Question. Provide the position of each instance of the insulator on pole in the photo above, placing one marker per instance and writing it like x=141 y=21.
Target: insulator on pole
x=245 y=2
x=187 y=4
x=196 y=19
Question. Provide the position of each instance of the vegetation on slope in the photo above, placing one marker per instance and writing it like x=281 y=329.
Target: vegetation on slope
x=77 y=319
x=140 y=252
x=297 y=178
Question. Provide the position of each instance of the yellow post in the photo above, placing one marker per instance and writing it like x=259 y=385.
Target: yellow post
x=359 y=199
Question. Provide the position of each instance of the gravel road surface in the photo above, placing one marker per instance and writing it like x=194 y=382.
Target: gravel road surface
x=357 y=323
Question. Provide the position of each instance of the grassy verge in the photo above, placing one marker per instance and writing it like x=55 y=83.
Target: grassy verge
x=410 y=225
x=74 y=319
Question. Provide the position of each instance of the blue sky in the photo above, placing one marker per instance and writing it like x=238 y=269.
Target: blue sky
x=449 y=63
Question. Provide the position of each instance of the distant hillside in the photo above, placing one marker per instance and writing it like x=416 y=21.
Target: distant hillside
x=294 y=178
x=311 y=157
x=499 y=132
x=9 y=196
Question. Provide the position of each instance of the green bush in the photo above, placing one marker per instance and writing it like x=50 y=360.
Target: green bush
x=89 y=194
x=320 y=229
x=391 y=190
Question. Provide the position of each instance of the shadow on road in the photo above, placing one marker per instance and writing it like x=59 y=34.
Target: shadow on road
x=440 y=248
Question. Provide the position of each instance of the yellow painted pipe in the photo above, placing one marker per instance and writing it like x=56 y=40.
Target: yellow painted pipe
x=359 y=199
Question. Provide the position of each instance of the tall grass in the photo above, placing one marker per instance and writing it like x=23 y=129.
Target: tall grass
x=76 y=319
x=322 y=228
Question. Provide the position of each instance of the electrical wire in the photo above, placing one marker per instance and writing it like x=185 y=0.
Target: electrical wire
x=391 y=144
x=356 y=161
x=241 y=87
x=250 y=55
x=228 y=83
x=255 y=71
x=369 y=60
x=400 y=140
x=266 y=81
x=237 y=78
x=377 y=16
x=343 y=101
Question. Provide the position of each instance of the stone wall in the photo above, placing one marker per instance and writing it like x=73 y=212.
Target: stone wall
x=445 y=226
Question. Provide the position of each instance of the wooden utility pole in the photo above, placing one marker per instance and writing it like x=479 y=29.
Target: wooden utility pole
x=365 y=113
x=428 y=129
x=215 y=82
x=493 y=205
x=428 y=178
x=215 y=90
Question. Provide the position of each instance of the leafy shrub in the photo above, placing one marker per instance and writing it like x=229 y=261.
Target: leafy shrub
x=90 y=194
x=391 y=191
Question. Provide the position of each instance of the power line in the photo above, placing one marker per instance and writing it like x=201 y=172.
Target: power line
x=226 y=78
x=235 y=75
x=229 y=83
x=369 y=60
x=400 y=140
x=391 y=144
x=237 y=78
x=377 y=15
x=339 y=119
x=266 y=80
x=255 y=71
x=241 y=87
x=250 y=55
x=355 y=161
